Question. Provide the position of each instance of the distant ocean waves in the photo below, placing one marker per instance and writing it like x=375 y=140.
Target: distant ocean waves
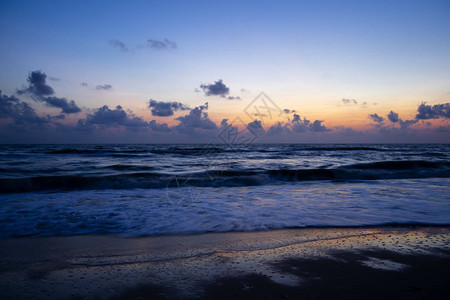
x=139 y=190
x=138 y=176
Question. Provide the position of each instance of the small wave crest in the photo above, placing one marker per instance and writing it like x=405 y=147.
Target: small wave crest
x=216 y=178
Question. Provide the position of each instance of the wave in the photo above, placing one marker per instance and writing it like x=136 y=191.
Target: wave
x=216 y=178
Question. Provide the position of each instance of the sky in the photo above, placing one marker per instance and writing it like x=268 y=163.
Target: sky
x=194 y=71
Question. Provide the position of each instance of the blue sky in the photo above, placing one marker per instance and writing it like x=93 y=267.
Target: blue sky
x=306 y=55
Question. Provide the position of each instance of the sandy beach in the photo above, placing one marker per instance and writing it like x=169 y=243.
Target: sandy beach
x=368 y=262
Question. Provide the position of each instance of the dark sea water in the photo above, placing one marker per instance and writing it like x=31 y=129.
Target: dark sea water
x=136 y=190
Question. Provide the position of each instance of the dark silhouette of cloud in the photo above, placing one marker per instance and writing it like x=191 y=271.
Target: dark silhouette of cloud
x=297 y=125
x=106 y=117
x=288 y=111
x=161 y=44
x=255 y=126
x=426 y=112
x=159 y=127
x=84 y=84
x=393 y=116
x=37 y=86
x=233 y=98
x=317 y=126
x=376 y=118
x=165 y=109
x=20 y=112
x=67 y=107
x=105 y=87
x=278 y=128
x=217 y=88
x=39 y=90
x=120 y=45
x=405 y=124
x=196 y=119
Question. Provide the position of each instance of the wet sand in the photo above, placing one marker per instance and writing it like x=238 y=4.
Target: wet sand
x=369 y=262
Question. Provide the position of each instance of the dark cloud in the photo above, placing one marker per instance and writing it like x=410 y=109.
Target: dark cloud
x=106 y=117
x=288 y=111
x=159 y=127
x=218 y=88
x=255 y=127
x=165 y=109
x=376 y=118
x=84 y=84
x=38 y=90
x=297 y=125
x=37 y=86
x=161 y=44
x=224 y=123
x=393 y=117
x=426 y=112
x=278 y=128
x=349 y=101
x=233 y=98
x=105 y=87
x=120 y=45
x=67 y=107
x=317 y=126
x=405 y=124
x=20 y=112
x=196 y=119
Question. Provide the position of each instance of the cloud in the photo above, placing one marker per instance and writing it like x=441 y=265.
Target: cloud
x=317 y=126
x=349 y=101
x=20 y=112
x=159 y=127
x=37 y=85
x=105 y=87
x=376 y=118
x=67 y=107
x=393 y=117
x=278 y=128
x=84 y=84
x=54 y=79
x=165 y=109
x=120 y=45
x=39 y=90
x=426 y=112
x=106 y=117
x=288 y=111
x=233 y=98
x=256 y=127
x=405 y=124
x=218 y=88
x=297 y=125
x=161 y=44
x=196 y=119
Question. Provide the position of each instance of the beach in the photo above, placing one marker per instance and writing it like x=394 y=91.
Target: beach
x=352 y=262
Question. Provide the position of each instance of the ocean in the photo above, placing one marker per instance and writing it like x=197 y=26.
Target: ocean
x=146 y=190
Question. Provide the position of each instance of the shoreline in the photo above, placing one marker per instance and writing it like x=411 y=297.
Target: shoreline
x=292 y=262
